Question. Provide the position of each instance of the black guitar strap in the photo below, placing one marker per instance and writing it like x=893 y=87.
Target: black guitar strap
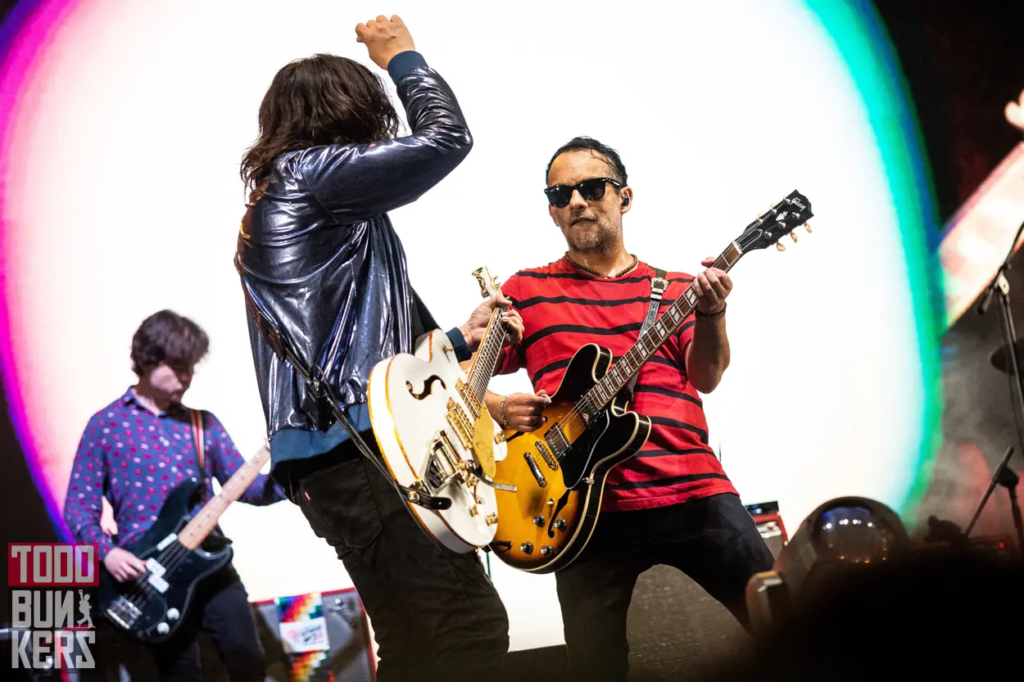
x=658 y=286
x=321 y=390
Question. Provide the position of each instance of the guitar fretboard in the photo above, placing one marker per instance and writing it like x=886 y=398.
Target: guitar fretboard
x=487 y=357
x=193 y=534
x=654 y=338
x=594 y=400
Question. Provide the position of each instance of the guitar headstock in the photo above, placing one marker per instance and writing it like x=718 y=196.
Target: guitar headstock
x=781 y=219
x=488 y=285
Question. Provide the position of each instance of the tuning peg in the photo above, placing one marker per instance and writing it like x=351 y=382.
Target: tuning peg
x=792 y=235
x=807 y=226
x=479 y=274
x=780 y=246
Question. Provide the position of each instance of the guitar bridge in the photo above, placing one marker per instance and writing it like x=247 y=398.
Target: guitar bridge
x=535 y=470
x=123 y=612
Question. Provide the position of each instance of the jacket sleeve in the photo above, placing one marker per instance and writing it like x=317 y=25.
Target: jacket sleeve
x=355 y=182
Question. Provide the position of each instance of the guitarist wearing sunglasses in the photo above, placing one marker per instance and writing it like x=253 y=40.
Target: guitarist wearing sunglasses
x=672 y=502
x=135 y=452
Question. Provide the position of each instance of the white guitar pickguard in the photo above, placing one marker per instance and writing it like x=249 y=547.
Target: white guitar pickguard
x=410 y=397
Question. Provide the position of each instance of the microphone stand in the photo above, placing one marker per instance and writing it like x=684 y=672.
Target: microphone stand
x=1000 y=286
x=1006 y=477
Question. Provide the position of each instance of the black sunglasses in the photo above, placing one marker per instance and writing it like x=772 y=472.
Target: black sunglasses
x=559 y=196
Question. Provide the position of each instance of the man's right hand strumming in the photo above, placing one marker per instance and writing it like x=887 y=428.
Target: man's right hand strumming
x=384 y=38
x=123 y=565
x=519 y=411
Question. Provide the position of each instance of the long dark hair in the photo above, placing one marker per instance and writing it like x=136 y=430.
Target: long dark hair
x=316 y=101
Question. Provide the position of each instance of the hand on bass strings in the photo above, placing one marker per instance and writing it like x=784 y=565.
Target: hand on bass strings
x=384 y=38
x=123 y=565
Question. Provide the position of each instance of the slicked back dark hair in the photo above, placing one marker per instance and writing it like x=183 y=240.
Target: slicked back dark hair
x=584 y=143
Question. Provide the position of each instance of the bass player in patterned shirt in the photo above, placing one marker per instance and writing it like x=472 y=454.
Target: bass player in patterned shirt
x=134 y=452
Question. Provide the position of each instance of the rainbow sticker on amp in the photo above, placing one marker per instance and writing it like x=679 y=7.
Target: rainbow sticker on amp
x=303 y=630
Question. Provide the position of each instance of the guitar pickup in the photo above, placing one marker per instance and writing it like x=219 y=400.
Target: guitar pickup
x=547 y=456
x=159 y=583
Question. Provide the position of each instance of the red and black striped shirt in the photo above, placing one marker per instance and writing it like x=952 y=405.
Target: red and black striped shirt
x=564 y=309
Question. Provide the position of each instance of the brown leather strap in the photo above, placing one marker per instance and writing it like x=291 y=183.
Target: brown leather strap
x=198 y=438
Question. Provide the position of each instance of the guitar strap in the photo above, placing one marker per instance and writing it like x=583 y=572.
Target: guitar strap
x=198 y=438
x=321 y=390
x=658 y=286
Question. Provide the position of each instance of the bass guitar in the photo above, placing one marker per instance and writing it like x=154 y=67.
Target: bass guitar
x=435 y=434
x=178 y=557
x=559 y=470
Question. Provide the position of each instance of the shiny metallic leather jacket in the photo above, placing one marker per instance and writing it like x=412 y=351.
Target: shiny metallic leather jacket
x=322 y=262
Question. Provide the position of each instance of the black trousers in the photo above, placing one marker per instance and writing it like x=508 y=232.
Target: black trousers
x=713 y=540
x=221 y=610
x=435 y=613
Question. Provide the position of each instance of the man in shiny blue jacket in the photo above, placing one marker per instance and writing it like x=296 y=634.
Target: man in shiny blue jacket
x=320 y=260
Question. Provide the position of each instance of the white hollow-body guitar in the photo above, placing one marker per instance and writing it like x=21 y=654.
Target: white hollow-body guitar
x=436 y=435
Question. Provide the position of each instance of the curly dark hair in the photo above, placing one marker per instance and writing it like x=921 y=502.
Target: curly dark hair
x=320 y=100
x=584 y=143
x=167 y=337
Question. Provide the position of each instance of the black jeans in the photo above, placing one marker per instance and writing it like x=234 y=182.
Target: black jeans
x=713 y=540
x=221 y=610
x=435 y=613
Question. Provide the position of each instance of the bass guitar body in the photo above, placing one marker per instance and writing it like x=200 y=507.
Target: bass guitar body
x=152 y=606
x=548 y=522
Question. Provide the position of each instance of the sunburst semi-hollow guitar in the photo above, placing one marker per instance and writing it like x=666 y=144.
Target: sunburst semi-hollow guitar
x=436 y=435
x=559 y=470
x=178 y=557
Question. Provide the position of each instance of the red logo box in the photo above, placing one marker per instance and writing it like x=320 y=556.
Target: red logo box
x=52 y=564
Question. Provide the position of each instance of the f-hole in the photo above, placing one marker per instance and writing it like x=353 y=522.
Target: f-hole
x=428 y=384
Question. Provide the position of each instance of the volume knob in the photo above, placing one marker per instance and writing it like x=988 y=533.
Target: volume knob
x=546 y=551
x=163 y=628
x=173 y=614
x=526 y=547
x=560 y=524
x=538 y=521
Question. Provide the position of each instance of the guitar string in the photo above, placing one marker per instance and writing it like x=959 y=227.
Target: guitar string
x=575 y=413
x=171 y=560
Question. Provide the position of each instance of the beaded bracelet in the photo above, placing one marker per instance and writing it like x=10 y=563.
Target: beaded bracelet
x=711 y=316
